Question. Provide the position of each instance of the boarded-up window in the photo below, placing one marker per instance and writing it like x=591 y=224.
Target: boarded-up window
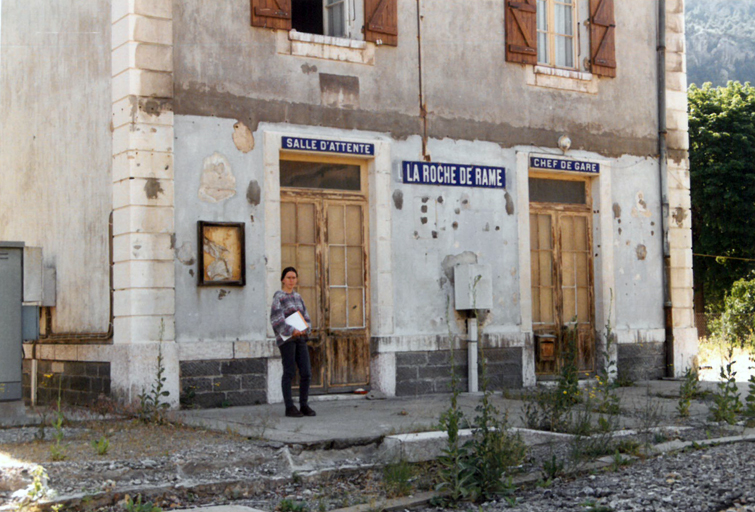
x=602 y=38
x=381 y=21
x=271 y=14
x=521 y=31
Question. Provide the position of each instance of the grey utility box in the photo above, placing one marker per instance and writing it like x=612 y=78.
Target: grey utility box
x=11 y=319
x=473 y=287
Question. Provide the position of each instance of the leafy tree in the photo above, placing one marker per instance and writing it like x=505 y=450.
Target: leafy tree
x=722 y=164
x=736 y=323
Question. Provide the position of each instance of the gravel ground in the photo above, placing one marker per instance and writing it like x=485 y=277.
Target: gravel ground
x=716 y=479
x=143 y=456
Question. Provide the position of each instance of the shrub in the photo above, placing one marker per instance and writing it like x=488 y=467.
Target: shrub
x=736 y=322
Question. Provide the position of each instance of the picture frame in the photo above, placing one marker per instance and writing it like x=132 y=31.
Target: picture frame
x=221 y=253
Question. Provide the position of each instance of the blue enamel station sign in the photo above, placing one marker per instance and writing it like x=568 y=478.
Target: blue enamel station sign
x=455 y=175
x=328 y=146
x=558 y=164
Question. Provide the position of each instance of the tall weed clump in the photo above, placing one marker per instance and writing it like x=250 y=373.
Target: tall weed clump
x=152 y=408
x=475 y=469
x=726 y=402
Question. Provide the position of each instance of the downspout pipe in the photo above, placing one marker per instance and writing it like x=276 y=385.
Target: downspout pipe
x=663 y=184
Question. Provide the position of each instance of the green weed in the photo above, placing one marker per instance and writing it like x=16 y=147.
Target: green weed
x=101 y=445
x=137 y=506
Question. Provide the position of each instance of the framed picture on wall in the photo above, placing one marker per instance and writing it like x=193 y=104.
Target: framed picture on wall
x=222 y=258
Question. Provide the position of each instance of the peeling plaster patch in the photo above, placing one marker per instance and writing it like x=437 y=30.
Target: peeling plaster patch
x=440 y=199
x=191 y=272
x=450 y=261
x=222 y=294
x=509 y=203
x=679 y=215
x=339 y=91
x=242 y=137
x=172 y=240
x=487 y=227
x=455 y=225
x=465 y=201
x=642 y=252
x=253 y=193
x=616 y=211
x=619 y=231
x=640 y=208
x=218 y=182
x=307 y=69
x=398 y=199
x=185 y=254
x=153 y=188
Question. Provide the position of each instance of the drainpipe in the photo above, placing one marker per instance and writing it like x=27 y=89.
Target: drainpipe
x=663 y=183
x=422 y=104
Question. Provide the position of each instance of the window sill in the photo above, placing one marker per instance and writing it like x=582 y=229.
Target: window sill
x=563 y=79
x=325 y=47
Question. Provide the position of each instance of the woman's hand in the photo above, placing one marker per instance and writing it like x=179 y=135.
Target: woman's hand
x=297 y=333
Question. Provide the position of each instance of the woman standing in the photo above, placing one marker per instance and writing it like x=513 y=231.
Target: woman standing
x=292 y=343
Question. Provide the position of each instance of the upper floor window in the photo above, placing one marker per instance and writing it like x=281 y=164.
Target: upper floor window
x=546 y=32
x=336 y=18
x=556 y=41
x=372 y=20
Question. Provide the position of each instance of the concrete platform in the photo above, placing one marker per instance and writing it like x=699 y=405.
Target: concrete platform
x=13 y=414
x=355 y=420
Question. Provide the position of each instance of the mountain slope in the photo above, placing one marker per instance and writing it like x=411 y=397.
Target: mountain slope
x=720 y=41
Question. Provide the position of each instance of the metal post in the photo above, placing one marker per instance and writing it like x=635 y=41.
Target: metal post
x=472 y=354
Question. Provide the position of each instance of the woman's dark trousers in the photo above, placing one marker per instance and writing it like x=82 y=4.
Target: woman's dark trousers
x=294 y=353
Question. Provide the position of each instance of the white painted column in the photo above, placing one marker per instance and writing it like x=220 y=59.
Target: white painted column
x=529 y=377
x=679 y=221
x=143 y=216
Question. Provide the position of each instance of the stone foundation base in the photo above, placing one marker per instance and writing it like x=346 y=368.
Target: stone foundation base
x=223 y=383
x=641 y=361
x=76 y=382
x=419 y=373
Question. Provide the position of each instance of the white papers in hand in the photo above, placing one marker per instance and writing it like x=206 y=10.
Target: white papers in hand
x=296 y=320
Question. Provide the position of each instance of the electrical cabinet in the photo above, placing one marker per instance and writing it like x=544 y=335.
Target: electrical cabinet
x=11 y=319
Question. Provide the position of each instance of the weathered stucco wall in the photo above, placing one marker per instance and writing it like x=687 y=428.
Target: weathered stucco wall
x=225 y=67
x=56 y=144
x=461 y=225
x=638 y=250
x=223 y=314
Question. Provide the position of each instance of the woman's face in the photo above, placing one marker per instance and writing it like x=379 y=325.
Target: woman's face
x=290 y=280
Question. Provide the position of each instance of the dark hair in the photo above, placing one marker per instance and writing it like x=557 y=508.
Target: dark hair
x=287 y=270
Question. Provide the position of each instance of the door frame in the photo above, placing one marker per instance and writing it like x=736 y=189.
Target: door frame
x=557 y=211
x=379 y=170
x=603 y=249
x=322 y=199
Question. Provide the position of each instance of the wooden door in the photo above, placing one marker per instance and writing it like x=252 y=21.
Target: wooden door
x=324 y=236
x=562 y=287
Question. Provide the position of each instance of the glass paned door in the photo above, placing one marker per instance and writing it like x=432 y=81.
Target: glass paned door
x=561 y=287
x=325 y=238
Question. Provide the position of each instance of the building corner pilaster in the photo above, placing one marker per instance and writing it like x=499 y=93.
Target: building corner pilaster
x=679 y=222
x=143 y=197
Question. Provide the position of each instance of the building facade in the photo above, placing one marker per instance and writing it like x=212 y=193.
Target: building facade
x=170 y=158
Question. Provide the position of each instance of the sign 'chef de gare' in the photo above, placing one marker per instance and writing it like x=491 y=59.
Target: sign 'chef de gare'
x=558 y=164
x=457 y=175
